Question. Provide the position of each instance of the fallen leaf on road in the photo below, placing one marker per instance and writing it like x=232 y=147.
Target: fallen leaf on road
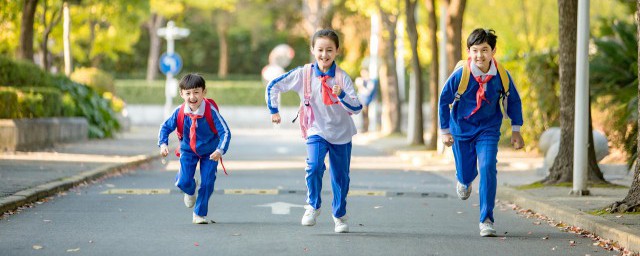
x=572 y=243
x=545 y=238
x=536 y=223
x=73 y=250
x=306 y=249
x=37 y=247
x=529 y=233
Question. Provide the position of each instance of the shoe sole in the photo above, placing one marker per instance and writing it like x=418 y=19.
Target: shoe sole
x=200 y=222
x=488 y=234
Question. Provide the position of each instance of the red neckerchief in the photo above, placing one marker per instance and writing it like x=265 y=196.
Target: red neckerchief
x=327 y=92
x=480 y=93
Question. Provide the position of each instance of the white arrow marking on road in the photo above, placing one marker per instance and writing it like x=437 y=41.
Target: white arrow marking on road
x=280 y=207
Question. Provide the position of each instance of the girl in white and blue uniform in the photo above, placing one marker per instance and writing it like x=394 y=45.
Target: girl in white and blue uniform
x=333 y=102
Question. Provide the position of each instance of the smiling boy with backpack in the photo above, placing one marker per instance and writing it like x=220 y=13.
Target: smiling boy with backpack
x=476 y=90
x=204 y=137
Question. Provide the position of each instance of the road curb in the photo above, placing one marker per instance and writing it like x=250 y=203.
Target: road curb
x=623 y=235
x=36 y=193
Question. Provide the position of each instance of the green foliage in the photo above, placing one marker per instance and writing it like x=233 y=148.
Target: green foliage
x=19 y=73
x=239 y=93
x=89 y=104
x=614 y=78
x=40 y=102
x=95 y=78
x=539 y=94
x=44 y=95
x=9 y=103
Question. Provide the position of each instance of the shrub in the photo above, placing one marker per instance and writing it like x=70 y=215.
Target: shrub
x=19 y=73
x=9 y=103
x=235 y=93
x=95 y=78
x=40 y=102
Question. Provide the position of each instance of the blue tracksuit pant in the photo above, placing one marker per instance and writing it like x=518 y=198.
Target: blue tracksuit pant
x=186 y=182
x=483 y=151
x=339 y=163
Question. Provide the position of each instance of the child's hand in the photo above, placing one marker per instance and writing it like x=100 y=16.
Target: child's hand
x=447 y=139
x=164 y=150
x=275 y=118
x=215 y=156
x=337 y=90
x=516 y=140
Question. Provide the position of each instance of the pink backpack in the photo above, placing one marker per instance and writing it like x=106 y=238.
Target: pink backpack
x=306 y=112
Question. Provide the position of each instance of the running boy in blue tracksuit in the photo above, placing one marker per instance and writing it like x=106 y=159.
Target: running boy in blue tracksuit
x=200 y=143
x=472 y=125
x=330 y=127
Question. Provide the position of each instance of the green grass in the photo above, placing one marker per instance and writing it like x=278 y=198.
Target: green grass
x=224 y=92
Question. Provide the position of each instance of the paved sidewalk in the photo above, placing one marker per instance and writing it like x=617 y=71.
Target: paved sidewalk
x=516 y=168
x=30 y=176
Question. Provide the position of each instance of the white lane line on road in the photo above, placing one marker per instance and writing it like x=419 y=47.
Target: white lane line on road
x=129 y=191
x=280 y=208
x=250 y=191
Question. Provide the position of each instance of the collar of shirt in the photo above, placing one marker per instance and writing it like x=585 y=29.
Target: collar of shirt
x=477 y=72
x=331 y=72
x=199 y=111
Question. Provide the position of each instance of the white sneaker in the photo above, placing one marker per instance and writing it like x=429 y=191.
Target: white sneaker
x=341 y=224
x=310 y=215
x=199 y=219
x=486 y=229
x=190 y=201
x=463 y=191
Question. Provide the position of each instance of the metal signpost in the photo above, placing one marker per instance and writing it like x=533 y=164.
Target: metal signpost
x=170 y=62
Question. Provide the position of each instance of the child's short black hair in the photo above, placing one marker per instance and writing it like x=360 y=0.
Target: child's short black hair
x=480 y=35
x=192 y=81
x=328 y=33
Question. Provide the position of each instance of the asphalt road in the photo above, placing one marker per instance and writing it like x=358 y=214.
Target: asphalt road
x=257 y=209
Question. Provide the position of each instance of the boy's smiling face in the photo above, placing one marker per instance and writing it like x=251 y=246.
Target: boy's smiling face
x=481 y=55
x=193 y=97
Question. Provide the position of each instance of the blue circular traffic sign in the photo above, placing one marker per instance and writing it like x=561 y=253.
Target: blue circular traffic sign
x=170 y=63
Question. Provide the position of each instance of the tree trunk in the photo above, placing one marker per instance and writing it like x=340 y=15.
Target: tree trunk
x=415 y=96
x=432 y=143
x=25 y=50
x=454 y=32
x=155 y=43
x=391 y=108
x=631 y=203
x=55 y=19
x=562 y=168
x=223 y=61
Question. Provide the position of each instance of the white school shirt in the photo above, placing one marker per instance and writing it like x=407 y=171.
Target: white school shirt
x=333 y=123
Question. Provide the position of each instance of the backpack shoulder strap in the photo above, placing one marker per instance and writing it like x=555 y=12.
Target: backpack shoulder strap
x=180 y=122
x=209 y=116
x=464 y=80
x=306 y=82
x=504 y=77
